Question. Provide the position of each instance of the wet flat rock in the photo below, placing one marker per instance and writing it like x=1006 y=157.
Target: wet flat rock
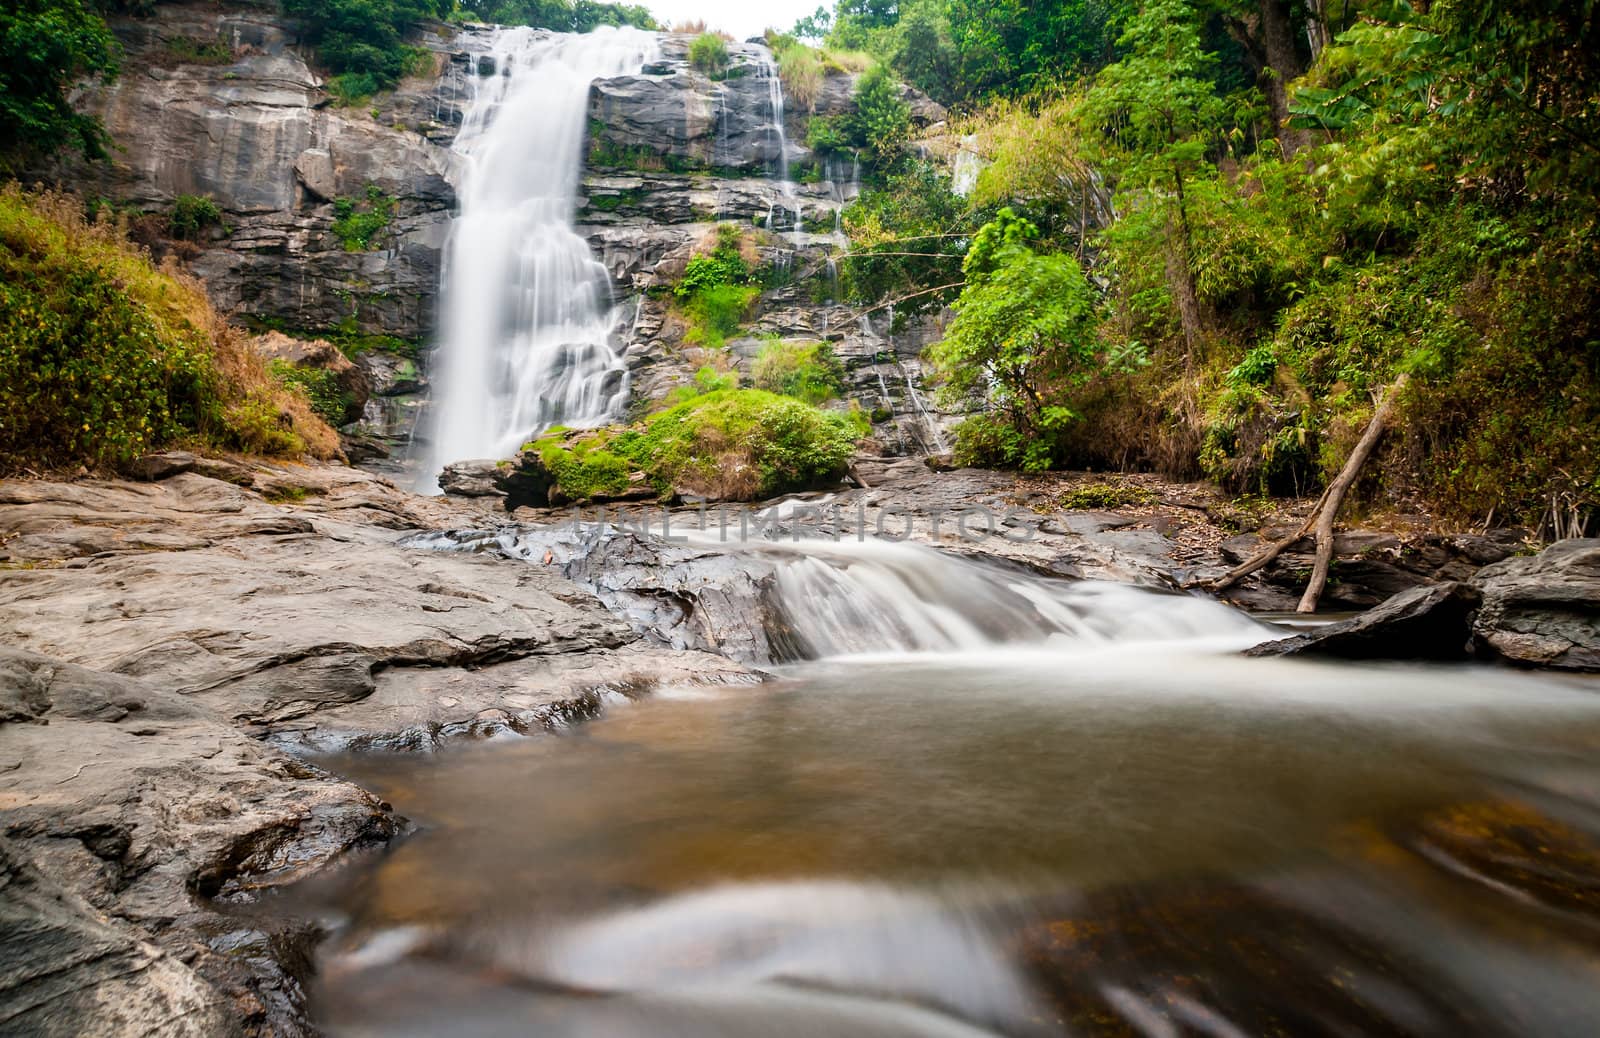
x=139 y=806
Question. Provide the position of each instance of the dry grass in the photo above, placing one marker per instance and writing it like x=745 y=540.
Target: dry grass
x=241 y=406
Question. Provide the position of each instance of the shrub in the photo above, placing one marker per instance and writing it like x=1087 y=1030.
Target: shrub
x=709 y=54
x=805 y=371
x=359 y=224
x=47 y=48
x=330 y=401
x=191 y=215
x=742 y=444
x=103 y=357
x=881 y=122
x=194 y=50
x=717 y=289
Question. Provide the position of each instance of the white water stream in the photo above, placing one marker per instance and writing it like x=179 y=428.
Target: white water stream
x=527 y=309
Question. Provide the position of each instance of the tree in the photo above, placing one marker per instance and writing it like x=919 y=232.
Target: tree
x=1154 y=110
x=814 y=26
x=47 y=46
x=882 y=121
x=1023 y=338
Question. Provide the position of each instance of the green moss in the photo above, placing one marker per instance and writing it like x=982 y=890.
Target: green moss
x=580 y=466
x=732 y=444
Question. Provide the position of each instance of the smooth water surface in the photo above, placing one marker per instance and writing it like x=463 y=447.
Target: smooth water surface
x=1113 y=839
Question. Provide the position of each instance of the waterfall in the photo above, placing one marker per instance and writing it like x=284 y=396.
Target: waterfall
x=527 y=312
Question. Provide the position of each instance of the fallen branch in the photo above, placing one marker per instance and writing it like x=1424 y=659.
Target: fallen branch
x=1272 y=551
x=1336 y=492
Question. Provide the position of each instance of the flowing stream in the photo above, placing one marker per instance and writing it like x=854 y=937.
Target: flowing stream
x=527 y=310
x=996 y=804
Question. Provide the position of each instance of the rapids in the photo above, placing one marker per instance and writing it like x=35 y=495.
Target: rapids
x=996 y=804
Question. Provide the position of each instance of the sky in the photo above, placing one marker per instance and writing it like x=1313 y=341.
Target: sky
x=741 y=18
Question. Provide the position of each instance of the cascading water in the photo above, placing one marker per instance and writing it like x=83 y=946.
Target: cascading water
x=527 y=310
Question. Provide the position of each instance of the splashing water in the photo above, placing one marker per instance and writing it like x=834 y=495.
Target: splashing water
x=527 y=309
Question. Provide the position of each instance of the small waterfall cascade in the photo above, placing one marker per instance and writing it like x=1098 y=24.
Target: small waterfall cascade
x=768 y=73
x=852 y=597
x=862 y=595
x=527 y=313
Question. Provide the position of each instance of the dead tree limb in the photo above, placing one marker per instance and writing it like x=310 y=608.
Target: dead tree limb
x=1336 y=492
x=1272 y=551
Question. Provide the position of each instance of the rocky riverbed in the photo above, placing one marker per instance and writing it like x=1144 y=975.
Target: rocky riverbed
x=178 y=650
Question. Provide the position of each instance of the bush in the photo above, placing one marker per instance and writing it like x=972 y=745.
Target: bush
x=103 y=357
x=364 y=39
x=359 y=224
x=805 y=371
x=717 y=289
x=742 y=444
x=709 y=54
x=320 y=387
x=47 y=48
x=191 y=215
x=881 y=122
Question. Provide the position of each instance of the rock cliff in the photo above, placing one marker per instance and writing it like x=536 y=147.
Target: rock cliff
x=671 y=153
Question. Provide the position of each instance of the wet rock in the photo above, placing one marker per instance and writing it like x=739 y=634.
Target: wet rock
x=1423 y=623
x=144 y=806
x=67 y=970
x=1543 y=610
x=479 y=478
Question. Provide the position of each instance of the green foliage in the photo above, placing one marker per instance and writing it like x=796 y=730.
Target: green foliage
x=327 y=398
x=1022 y=340
x=360 y=224
x=561 y=15
x=807 y=371
x=46 y=48
x=717 y=290
x=194 y=50
x=729 y=444
x=363 y=41
x=742 y=444
x=881 y=122
x=103 y=357
x=709 y=54
x=906 y=241
x=192 y=216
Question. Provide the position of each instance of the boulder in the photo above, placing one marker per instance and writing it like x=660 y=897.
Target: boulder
x=477 y=478
x=165 y=464
x=1542 y=610
x=1432 y=622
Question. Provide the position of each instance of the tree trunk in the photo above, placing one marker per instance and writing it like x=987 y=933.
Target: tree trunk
x=1283 y=65
x=1317 y=33
x=1180 y=276
x=1336 y=492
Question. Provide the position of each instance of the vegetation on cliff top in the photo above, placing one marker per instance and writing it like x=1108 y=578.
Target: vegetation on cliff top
x=104 y=357
x=46 y=48
x=1281 y=213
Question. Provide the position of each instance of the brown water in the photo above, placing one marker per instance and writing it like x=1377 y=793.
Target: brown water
x=1126 y=839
